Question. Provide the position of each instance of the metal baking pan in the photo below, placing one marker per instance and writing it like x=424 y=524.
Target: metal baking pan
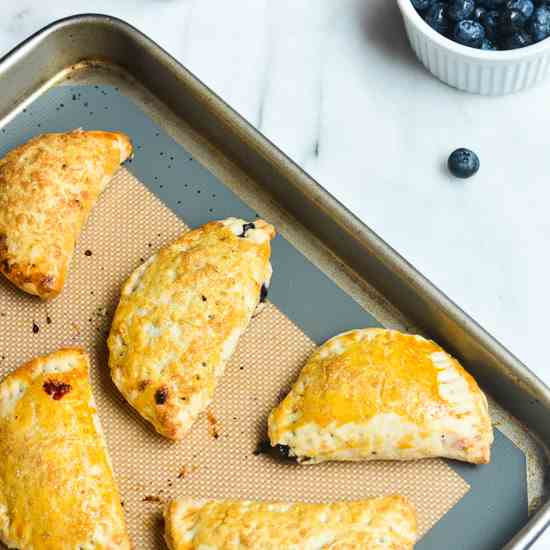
x=335 y=273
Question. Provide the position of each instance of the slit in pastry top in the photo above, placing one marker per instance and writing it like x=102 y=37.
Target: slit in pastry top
x=181 y=315
x=48 y=187
x=378 y=394
x=57 y=489
x=375 y=524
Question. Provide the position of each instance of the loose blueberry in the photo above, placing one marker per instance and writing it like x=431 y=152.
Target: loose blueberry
x=469 y=33
x=421 y=5
x=524 y=6
x=479 y=12
x=539 y=25
x=511 y=21
x=460 y=9
x=490 y=20
x=487 y=45
x=436 y=17
x=519 y=39
x=463 y=163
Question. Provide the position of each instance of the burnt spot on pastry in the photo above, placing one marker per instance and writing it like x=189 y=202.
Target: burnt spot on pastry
x=35 y=328
x=263 y=294
x=203 y=297
x=161 y=395
x=56 y=389
x=281 y=452
x=143 y=384
x=48 y=320
x=246 y=227
x=87 y=253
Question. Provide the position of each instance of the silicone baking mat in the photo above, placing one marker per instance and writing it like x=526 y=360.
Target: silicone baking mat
x=159 y=195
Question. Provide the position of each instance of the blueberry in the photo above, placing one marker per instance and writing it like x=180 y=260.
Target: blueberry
x=421 y=5
x=487 y=45
x=491 y=4
x=459 y=10
x=542 y=15
x=436 y=17
x=511 y=21
x=490 y=20
x=463 y=163
x=479 y=12
x=519 y=39
x=524 y=6
x=469 y=33
x=539 y=25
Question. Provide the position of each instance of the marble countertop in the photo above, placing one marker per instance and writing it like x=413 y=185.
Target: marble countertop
x=336 y=86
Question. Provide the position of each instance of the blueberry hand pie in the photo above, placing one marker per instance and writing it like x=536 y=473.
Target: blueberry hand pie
x=376 y=524
x=379 y=394
x=57 y=490
x=181 y=315
x=47 y=188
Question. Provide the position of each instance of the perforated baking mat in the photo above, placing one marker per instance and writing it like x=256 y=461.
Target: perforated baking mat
x=164 y=191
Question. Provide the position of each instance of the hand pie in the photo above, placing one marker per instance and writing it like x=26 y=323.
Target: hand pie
x=47 y=188
x=180 y=317
x=375 y=524
x=57 y=490
x=379 y=394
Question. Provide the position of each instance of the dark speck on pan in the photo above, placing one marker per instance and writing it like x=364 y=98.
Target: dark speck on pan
x=151 y=498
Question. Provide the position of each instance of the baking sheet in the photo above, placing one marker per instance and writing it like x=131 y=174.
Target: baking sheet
x=163 y=191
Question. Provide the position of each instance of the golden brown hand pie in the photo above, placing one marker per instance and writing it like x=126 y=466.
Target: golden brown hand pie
x=376 y=524
x=47 y=188
x=380 y=394
x=180 y=317
x=57 y=490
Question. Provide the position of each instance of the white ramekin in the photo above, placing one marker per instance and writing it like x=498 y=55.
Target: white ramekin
x=471 y=70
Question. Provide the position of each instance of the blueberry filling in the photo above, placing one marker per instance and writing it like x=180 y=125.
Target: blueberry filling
x=263 y=294
x=246 y=227
x=278 y=451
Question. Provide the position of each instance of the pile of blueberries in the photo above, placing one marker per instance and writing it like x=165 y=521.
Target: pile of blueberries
x=488 y=24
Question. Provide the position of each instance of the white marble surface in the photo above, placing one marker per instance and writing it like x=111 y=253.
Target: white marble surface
x=337 y=78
